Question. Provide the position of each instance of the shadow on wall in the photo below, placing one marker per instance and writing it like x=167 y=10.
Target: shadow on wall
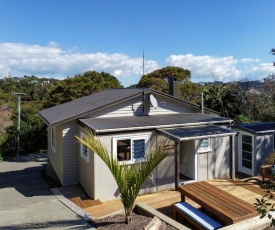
x=220 y=157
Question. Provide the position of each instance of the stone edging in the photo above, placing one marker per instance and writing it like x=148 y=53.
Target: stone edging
x=145 y=209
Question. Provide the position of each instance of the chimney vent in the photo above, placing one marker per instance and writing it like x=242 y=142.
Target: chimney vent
x=173 y=86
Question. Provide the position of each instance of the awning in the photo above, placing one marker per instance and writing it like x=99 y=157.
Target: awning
x=197 y=132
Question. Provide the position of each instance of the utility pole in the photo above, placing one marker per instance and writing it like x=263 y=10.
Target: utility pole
x=18 y=95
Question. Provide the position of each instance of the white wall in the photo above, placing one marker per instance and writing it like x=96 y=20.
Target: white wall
x=56 y=157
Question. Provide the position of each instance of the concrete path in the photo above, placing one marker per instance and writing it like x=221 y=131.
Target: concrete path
x=26 y=202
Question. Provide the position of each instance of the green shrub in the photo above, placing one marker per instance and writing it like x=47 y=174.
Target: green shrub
x=270 y=159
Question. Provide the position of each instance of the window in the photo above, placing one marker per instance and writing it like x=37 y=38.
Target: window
x=53 y=139
x=130 y=149
x=84 y=150
x=204 y=145
x=273 y=140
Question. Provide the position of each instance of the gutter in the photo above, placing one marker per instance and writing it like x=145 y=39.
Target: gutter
x=148 y=127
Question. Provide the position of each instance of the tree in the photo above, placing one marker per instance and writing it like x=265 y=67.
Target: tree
x=190 y=91
x=219 y=98
x=182 y=75
x=129 y=178
x=81 y=85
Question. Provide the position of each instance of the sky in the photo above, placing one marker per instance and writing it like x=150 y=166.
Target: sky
x=224 y=40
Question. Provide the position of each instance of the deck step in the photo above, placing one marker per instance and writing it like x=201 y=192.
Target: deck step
x=85 y=203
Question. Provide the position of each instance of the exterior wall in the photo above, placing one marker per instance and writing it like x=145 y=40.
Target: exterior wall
x=134 y=107
x=56 y=157
x=100 y=183
x=70 y=154
x=215 y=163
x=263 y=147
x=87 y=173
x=165 y=172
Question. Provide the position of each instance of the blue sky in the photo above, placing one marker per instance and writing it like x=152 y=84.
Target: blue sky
x=224 y=40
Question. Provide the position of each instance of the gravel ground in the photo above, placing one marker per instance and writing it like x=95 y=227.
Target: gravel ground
x=117 y=222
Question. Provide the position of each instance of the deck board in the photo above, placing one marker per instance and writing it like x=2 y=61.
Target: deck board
x=162 y=201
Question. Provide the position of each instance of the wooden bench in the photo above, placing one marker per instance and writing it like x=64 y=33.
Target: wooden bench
x=199 y=219
x=266 y=171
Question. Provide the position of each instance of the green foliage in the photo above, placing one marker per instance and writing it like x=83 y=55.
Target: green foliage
x=182 y=75
x=270 y=159
x=129 y=178
x=158 y=79
x=81 y=85
x=241 y=119
x=221 y=99
x=190 y=92
x=263 y=205
x=42 y=93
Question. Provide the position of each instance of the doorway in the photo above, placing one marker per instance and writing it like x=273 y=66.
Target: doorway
x=246 y=153
x=188 y=162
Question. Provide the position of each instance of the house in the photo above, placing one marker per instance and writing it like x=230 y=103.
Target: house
x=130 y=122
x=255 y=142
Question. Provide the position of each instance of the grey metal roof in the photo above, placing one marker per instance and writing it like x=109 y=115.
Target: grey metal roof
x=266 y=127
x=197 y=132
x=84 y=105
x=148 y=122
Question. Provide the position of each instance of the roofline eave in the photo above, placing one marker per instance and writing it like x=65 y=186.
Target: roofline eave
x=99 y=131
x=76 y=117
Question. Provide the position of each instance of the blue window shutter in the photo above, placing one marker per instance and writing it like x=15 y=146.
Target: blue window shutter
x=138 y=148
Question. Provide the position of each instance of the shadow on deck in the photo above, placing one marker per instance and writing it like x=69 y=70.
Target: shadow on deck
x=246 y=188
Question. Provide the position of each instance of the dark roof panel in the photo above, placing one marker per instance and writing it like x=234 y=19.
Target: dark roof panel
x=258 y=127
x=199 y=132
x=83 y=105
x=154 y=121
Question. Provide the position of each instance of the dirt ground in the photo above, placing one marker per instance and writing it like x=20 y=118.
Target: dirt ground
x=117 y=222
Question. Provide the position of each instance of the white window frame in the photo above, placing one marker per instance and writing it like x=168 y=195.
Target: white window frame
x=203 y=149
x=145 y=136
x=53 y=139
x=84 y=151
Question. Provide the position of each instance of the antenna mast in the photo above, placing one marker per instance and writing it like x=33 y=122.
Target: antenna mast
x=143 y=63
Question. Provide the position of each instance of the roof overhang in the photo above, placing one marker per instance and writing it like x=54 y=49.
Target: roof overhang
x=197 y=132
x=135 y=123
x=258 y=128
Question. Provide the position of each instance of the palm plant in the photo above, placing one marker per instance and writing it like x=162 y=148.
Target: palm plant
x=129 y=178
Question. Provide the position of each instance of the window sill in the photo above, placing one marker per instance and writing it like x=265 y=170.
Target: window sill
x=85 y=158
x=205 y=151
x=131 y=162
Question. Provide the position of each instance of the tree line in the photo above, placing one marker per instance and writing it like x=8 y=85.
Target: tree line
x=236 y=100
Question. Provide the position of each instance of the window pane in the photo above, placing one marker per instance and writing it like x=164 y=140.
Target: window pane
x=247 y=147
x=246 y=155
x=124 y=150
x=247 y=164
x=84 y=150
x=138 y=148
x=247 y=139
x=204 y=144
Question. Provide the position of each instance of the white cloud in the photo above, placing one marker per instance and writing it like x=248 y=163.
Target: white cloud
x=52 y=61
x=206 y=67
x=209 y=68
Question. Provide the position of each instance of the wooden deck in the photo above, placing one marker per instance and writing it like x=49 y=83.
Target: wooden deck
x=246 y=189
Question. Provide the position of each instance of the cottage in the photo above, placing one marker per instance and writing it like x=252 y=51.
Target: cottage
x=255 y=142
x=130 y=122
